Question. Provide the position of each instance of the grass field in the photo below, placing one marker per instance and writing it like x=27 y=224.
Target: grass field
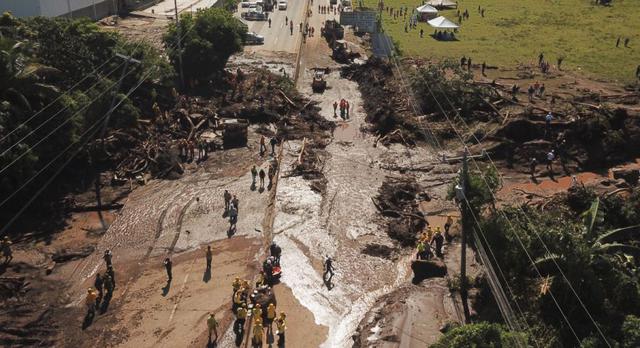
x=516 y=31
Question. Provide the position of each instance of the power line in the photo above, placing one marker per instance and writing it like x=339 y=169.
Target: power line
x=504 y=310
x=509 y=221
x=530 y=222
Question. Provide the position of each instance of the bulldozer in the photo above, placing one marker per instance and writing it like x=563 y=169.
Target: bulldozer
x=332 y=31
x=341 y=52
x=318 y=85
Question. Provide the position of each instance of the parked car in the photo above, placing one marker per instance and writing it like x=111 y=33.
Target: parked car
x=282 y=4
x=246 y=4
x=255 y=16
x=252 y=38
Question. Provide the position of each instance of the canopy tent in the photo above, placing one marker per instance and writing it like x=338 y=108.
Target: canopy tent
x=442 y=23
x=442 y=3
x=426 y=12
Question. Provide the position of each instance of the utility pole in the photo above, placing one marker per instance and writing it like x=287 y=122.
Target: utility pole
x=175 y=6
x=461 y=191
x=128 y=59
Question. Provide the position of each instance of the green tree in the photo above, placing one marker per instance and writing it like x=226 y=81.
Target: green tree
x=478 y=335
x=210 y=37
x=631 y=332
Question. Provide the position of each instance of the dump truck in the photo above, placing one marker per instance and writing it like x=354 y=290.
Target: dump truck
x=234 y=133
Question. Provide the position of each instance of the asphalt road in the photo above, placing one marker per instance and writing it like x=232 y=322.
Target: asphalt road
x=278 y=38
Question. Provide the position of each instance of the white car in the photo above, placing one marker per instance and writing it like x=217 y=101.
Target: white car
x=282 y=4
x=246 y=4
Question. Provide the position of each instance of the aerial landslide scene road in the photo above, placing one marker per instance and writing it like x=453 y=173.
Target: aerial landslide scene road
x=305 y=173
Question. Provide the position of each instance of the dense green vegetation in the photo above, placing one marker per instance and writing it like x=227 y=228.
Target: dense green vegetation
x=595 y=245
x=208 y=40
x=480 y=335
x=515 y=32
x=59 y=77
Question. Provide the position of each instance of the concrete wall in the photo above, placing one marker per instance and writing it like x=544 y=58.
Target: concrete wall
x=95 y=9
x=21 y=8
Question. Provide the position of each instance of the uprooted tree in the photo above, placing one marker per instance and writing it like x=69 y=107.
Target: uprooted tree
x=209 y=38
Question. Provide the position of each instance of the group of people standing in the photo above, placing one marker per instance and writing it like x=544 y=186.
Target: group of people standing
x=103 y=286
x=188 y=150
x=433 y=240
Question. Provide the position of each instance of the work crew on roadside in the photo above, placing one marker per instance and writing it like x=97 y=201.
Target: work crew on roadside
x=257 y=314
x=447 y=226
x=241 y=317
x=99 y=285
x=107 y=257
x=90 y=300
x=209 y=257
x=438 y=239
x=328 y=269
x=227 y=200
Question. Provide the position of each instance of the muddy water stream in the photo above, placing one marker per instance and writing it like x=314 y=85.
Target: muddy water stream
x=340 y=223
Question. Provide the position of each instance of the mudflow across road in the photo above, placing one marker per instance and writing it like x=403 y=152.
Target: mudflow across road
x=179 y=218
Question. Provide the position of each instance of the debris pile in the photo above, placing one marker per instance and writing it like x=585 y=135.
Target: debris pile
x=398 y=200
x=387 y=108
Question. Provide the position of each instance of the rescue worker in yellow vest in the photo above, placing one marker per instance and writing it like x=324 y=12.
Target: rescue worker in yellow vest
x=421 y=248
x=237 y=299
x=257 y=334
x=90 y=300
x=280 y=323
x=271 y=316
x=241 y=317
x=257 y=313
x=261 y=280
x=236 y=284
x=212 y=324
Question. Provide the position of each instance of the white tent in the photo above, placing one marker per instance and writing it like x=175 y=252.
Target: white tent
x=426 y=9
x=442 y=3
x=426 y=12
x=442 y=23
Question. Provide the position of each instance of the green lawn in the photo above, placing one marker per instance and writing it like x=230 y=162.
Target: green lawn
x=516 y=31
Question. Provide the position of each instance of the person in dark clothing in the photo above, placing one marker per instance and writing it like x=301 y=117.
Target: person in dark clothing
x=108 y=285
x=626 y=42
x=168 y=266
x=438 y=239
x=540 y=59
x=107 y=257
x=469 y=64
x=209 y=257
x=99 y=285
x=112 y=275
x=273 y=143
x=484 y=67
x=275 y=251
x=227 y=200
x=638 y=72
x=328 y=269
x=532 y=166
x=261 y=174
x=463 y=62
x=618 y=42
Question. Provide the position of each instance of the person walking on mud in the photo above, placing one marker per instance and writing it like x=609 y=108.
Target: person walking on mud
x=263 y=147
x=550 y=157
x=108 y=286
x=90 y=300
x=236 y=203
x=233 y=217
x=209 y=257
x=438 y=239
x=532 y=167
x=168 y=265
x=328 y=269
x=99 y=285
x=107 y=257
x=447 y=226
x=335 y=107
x=273 y=143
x=227 y=200
x=254 y=173
x=111 y=275
x=281 y=326
x=262 y=175
x=346 y=106
x=212 y=325
x=6 y=250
